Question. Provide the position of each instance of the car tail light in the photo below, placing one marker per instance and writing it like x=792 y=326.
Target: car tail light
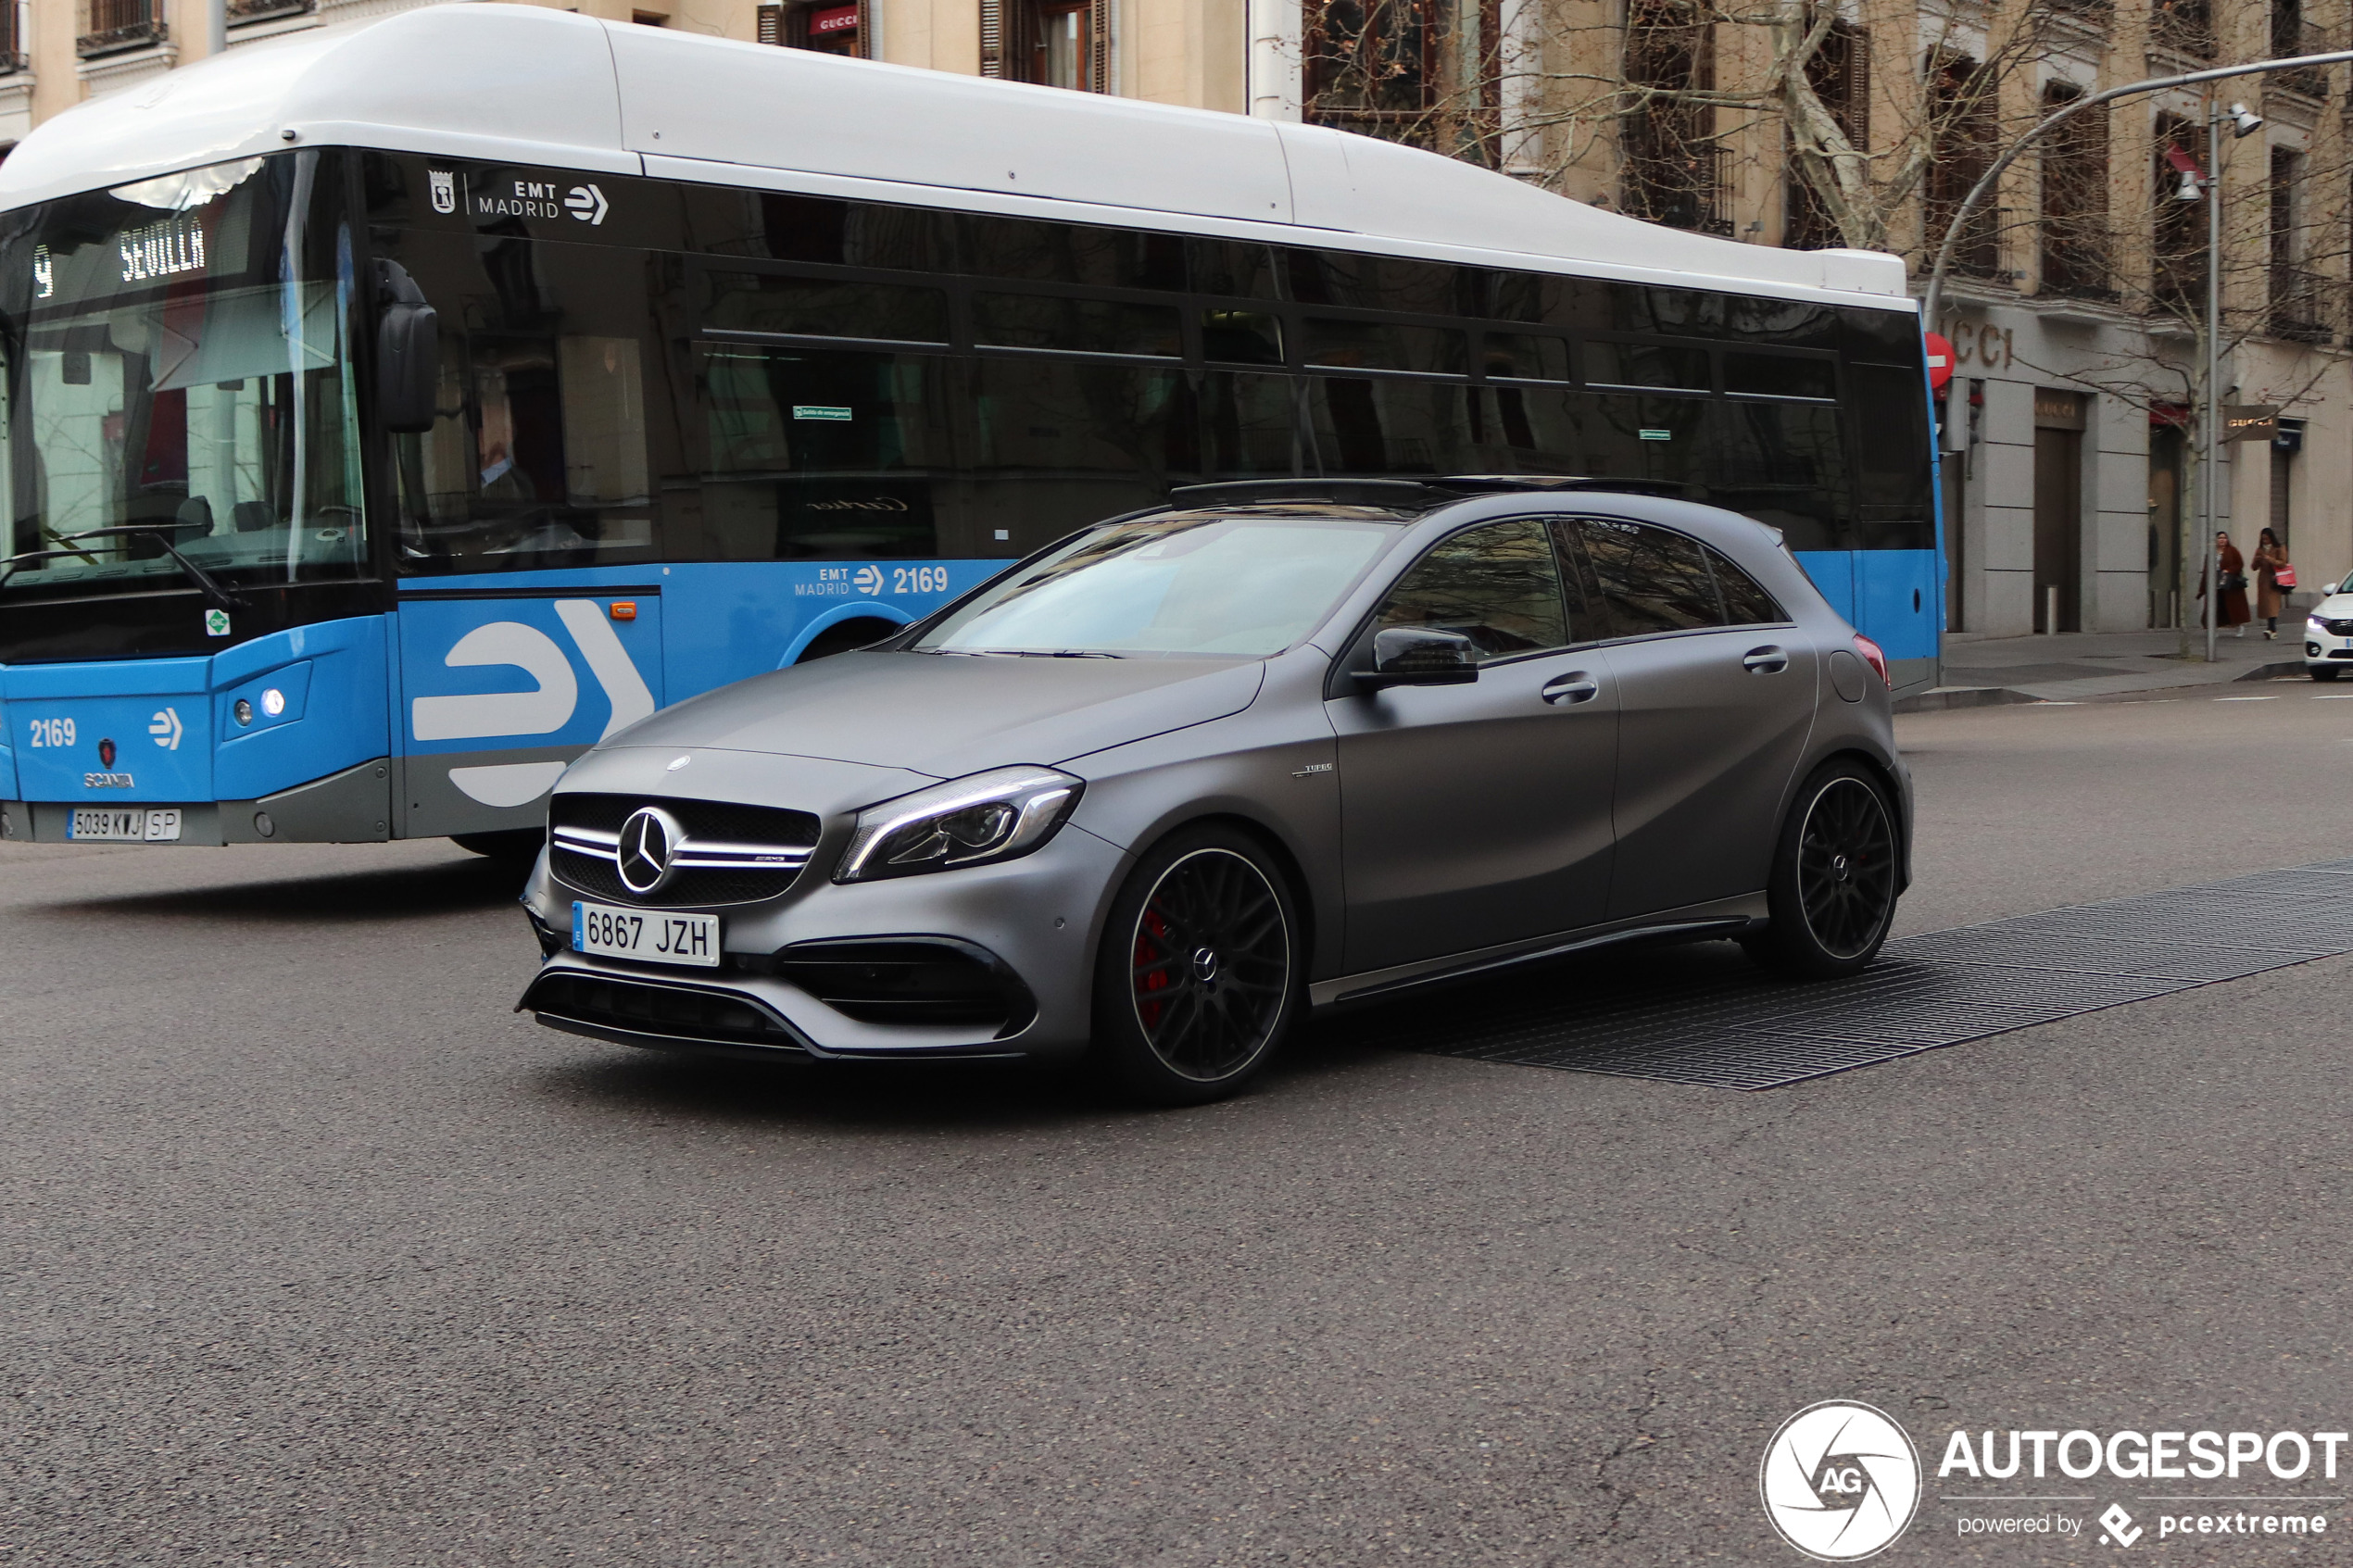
x=1875 y=657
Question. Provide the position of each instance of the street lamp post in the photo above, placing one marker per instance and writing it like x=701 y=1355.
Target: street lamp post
x=2243 y=122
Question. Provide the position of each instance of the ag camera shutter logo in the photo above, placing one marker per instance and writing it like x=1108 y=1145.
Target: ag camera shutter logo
x=1840 y=1481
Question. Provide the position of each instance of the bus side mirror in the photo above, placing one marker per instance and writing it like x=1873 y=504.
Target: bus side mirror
x=408 y=352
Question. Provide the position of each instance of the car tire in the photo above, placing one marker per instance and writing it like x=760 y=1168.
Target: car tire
x=1836 y=877
x=1200 y=973
x=2323 y=671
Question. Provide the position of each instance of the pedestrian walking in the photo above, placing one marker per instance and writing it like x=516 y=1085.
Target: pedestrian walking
x=2270 y=593
x=2230 y=607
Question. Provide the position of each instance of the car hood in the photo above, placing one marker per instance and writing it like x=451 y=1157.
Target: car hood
x=947 y=715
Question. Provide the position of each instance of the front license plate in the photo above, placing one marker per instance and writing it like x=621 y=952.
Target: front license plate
x=125 y=826
x=648 y=935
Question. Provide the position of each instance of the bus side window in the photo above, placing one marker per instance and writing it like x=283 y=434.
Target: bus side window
x=604 y=414
x=1890 y=409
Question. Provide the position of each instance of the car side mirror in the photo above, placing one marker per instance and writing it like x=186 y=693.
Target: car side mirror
x=1417 y=656
x=2328 y=588
x=408 y=352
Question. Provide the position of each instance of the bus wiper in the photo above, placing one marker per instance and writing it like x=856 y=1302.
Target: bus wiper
x=214 y=593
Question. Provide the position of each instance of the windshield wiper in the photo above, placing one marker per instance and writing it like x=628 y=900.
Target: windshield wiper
x=214 y=593
x=1048 y=653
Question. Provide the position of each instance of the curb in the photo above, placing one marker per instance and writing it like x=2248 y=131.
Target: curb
x=2273 y=670
x=1938 y=698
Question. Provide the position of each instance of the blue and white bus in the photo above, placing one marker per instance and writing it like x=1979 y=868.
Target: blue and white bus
x=393 y=411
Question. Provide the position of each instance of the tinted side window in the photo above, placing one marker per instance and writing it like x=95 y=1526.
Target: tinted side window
x=1068 y=253
x=1745 y=601
x=1650 y=579
x=1499 y=586
x=1646 y=364
x=767 y=302
x=1892 y=455
x=1779 y=375
x=1086 y=326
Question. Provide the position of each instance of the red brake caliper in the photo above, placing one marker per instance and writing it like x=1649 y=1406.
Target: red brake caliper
x=1149 y=1006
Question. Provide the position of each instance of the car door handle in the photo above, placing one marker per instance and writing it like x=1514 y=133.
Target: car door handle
x=1575 y=686
x=1765 y=661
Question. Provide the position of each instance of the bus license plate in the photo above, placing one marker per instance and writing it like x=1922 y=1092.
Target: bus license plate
x=648 y=935
x=122 y=825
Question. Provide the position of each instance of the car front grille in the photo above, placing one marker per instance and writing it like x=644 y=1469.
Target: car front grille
x=730 y=855
x=644 y=1012
x=2339 y=628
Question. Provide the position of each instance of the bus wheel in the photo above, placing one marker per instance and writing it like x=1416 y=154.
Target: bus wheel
x=844 y=636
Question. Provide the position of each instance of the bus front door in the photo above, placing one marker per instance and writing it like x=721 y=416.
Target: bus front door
x=498 y=694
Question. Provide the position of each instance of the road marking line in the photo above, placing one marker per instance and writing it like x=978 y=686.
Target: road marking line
x=2247 y=699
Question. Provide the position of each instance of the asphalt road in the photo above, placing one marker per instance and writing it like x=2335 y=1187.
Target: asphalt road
x=310 y=1252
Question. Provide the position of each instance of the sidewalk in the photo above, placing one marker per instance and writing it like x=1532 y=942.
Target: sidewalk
x=2076 y=664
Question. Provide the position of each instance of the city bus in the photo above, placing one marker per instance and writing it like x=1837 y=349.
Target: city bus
x=394 y=410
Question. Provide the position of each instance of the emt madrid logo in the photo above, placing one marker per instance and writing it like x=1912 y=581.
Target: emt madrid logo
x=1840 y=1481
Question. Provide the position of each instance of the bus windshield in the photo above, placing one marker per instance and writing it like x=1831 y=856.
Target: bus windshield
x=1185 y=583
x=177 y=399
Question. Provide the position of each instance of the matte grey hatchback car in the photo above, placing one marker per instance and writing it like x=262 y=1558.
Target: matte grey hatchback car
x=1151 y=795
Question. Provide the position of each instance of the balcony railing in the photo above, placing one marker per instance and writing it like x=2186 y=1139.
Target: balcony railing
x=1984 y=250
x=2304 y=305
x=12 y=56
x=1682 y=186
x=110 y=26
x=2075 y=256
x=263 y=10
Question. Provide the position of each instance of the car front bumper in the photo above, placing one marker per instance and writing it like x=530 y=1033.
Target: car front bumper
x=1034 y=918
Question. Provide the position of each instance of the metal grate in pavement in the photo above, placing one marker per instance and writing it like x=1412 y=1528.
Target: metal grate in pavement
x=1704 y=1015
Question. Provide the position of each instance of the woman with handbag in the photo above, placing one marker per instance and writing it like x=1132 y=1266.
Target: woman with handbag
x=2231 y=607
x=2273 y=578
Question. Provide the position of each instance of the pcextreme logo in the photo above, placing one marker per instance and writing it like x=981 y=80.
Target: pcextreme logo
x=1840 y=1481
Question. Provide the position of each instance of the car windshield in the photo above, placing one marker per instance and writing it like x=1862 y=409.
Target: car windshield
x=174 y=373
x=1184 y=582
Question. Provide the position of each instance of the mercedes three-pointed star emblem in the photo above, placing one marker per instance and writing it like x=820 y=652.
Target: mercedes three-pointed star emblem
x=648 y=839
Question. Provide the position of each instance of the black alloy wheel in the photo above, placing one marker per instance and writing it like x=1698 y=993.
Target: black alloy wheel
x=1199 y=973
x=1835 y=878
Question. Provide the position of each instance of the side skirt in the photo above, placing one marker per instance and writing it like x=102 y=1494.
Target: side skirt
x=1723 y=917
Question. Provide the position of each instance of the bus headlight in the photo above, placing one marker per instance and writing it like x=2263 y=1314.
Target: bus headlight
x=999 y=815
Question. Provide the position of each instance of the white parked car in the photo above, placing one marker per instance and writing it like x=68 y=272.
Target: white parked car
x=2328 y=631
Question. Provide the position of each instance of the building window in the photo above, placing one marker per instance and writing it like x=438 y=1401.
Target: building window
x=1371 y=67
x=2183 y=25
x=829 y=27
x=2074 y=227
x=1840 y=74
x=2291 y=36
x=108 y=26
x=1675 y=168
x=2299 y=295
x=1961 y=127
x=1053 y=43
x=2177 y=238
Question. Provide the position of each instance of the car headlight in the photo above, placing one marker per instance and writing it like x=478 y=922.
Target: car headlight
x=999 y=815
